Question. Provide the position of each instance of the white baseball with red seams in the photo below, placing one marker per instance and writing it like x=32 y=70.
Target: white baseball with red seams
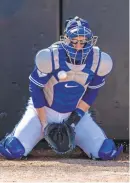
x=62 y=75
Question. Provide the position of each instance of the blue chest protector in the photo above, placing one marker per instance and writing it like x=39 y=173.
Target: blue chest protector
x=64 y=95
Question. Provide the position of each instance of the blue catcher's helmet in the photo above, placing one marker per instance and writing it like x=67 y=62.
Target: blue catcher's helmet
x=74 y=28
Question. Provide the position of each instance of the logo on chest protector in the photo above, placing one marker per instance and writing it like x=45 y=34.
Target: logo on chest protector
x=70 y=86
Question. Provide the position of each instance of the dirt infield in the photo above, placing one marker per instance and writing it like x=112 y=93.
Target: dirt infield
x=45 y=166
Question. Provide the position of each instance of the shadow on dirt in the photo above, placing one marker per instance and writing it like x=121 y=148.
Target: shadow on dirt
x=78 y=157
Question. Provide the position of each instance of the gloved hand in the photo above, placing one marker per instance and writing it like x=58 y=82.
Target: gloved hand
x=75 y=117
x=60 y=137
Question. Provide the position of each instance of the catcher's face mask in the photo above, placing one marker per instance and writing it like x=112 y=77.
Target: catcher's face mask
x=78 y=40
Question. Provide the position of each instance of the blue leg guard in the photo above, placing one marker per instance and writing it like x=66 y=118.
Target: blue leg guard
x=108 y=150
x=11 y=148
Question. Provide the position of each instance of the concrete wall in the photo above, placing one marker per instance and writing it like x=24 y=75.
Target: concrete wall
x=25 y=27
x=29 y=25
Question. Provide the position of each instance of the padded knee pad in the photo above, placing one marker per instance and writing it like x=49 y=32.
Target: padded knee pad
x=11 y=148
x=108 y=150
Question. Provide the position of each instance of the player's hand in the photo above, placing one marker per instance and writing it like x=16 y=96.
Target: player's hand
x=43 y=125
x=75 y=117
x=60 y=137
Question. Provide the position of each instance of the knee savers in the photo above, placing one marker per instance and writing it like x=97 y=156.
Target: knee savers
x=11 y=148
x=108 y=150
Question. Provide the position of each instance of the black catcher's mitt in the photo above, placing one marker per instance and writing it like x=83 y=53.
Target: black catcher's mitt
x=60 y=137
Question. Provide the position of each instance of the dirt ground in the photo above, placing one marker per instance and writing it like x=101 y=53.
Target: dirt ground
x=46 y=166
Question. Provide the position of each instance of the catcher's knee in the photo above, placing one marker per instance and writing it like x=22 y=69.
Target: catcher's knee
x=11 y=148
x=108 y=150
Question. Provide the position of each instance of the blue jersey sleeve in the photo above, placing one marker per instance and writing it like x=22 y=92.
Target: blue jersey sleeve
x=90 y=96
x=97 y=82
x=37 y=95
x=37 y=82
x=93 y=88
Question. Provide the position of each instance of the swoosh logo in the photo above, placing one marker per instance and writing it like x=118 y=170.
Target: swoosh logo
x=70 y=86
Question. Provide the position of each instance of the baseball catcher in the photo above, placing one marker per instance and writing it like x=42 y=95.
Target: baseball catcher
x=64 y=83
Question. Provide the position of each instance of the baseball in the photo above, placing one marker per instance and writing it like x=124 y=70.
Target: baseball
x=62 y=75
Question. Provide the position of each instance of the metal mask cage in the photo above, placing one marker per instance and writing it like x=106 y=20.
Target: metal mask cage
x=70 y=50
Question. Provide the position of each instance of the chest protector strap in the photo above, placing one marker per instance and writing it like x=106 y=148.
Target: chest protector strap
x=95 y=60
